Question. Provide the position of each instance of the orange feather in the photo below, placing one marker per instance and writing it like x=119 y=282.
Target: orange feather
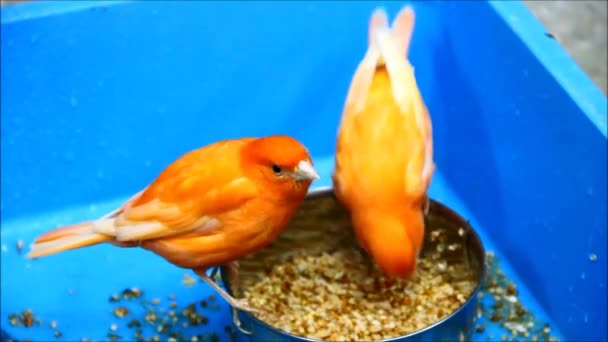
x=384 y=164
x=210 y=207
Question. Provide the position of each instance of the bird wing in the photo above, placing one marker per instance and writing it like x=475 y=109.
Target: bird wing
x=187 y=196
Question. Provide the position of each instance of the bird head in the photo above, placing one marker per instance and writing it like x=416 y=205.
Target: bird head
x=282 y=163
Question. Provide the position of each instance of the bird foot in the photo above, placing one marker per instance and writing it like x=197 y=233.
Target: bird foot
x=243 y=305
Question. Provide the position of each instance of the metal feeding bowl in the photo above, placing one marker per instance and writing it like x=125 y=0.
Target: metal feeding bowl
x=315 y=283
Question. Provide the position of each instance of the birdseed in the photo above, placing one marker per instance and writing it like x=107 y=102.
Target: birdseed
x=171 y=321
x=341 y=296
x=500 y=307
x=188 y=280
x=24 y=319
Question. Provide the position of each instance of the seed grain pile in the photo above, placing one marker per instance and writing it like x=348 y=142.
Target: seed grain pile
x=340 y=296
x=500 y=307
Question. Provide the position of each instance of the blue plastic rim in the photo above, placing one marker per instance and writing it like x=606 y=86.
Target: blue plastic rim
x=98 y=97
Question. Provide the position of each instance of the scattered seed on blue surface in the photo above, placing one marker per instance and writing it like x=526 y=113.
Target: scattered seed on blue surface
x=188 y=280
x=134 y=323
x=131 y=293
x=120 y=311
x=167 y=322
x=114 y=337
x=25 y=318
x=505 y=310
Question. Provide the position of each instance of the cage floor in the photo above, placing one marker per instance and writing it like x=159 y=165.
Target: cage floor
x=70 y=293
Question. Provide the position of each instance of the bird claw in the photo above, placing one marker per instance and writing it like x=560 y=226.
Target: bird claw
x=427 y=206
x=243 y=305
x=214 y=273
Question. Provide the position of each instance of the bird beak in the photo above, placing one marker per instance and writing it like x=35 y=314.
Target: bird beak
x=305 y=171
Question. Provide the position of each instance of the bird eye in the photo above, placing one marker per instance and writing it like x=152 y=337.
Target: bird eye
x=277 y=169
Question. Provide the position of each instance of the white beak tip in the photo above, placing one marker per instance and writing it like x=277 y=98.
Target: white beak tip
x=305 y=171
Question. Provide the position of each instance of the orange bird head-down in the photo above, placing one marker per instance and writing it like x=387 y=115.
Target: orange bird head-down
x=208 y=208
x=384 y=153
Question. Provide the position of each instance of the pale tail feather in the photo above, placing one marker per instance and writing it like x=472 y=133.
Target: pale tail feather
x=394 y=46
x=377 y=21
x=143 y=231
x=364 y=74
x=402 y=29
x=66 y=238
x=390 y=47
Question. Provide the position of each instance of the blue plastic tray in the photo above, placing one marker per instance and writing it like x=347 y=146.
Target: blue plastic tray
x=97 y=98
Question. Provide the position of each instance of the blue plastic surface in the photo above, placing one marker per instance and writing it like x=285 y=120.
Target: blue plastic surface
x=98 y=98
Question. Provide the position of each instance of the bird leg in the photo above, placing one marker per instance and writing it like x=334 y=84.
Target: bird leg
x=241 y=304
x=232 y=268
x=214 y=272
x=233 y=273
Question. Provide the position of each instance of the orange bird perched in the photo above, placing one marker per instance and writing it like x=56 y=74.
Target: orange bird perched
x=384 y=151
x=210 y=207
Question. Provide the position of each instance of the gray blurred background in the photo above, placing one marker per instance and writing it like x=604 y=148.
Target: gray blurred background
x=579 y=26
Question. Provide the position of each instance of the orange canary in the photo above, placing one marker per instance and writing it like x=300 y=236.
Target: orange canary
x=384 y=151
x=210 y=207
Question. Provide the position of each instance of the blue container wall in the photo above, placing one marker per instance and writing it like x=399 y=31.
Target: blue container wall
x=529 y=163
x=102 y=99
x=97 y=101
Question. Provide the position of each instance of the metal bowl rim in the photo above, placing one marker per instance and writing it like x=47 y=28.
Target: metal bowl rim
x=328 y=191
